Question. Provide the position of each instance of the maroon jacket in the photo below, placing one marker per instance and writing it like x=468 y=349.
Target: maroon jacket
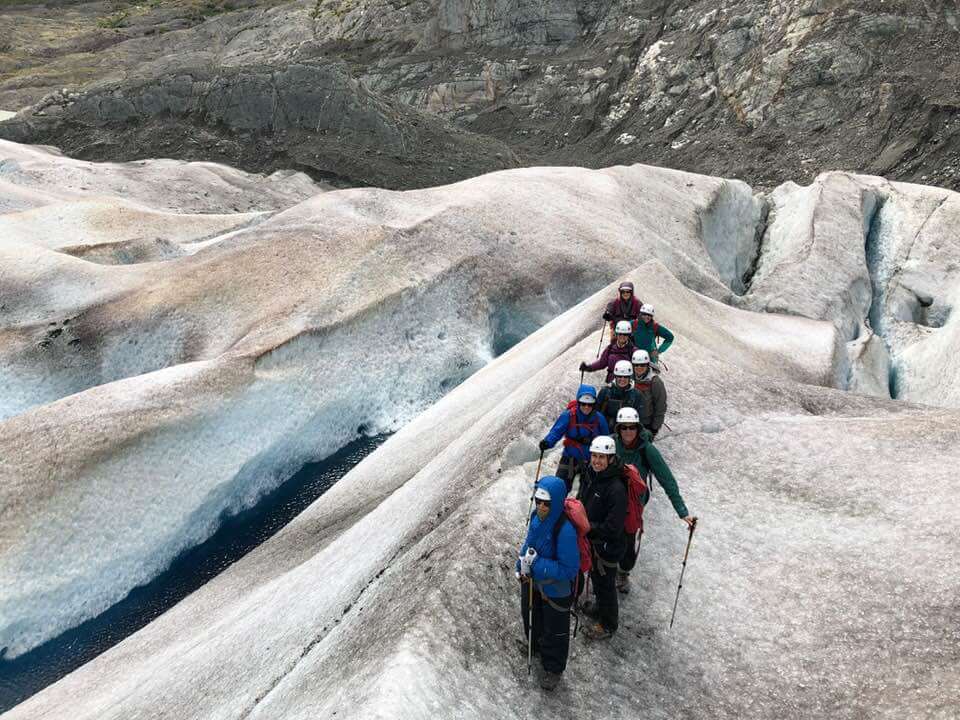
x=624 y=311
x=610 y=355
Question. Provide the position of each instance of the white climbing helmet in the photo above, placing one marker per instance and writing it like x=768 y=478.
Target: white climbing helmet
x=623 y=327
x=628 y=416
x=646 y=310
x=603 y=445
x=542 y=494
x=640 y=357
x=623 y=368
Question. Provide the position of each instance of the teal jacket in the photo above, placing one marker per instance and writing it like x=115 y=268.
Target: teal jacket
x=648 y=459
x=645 y=337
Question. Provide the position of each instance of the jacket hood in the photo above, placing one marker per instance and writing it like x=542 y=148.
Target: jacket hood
x=585 y=390
x=558 y=493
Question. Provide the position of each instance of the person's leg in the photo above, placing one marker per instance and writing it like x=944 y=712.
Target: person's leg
x=607 y=602
x=566 y=469
x=627 y=563
x=555 y=639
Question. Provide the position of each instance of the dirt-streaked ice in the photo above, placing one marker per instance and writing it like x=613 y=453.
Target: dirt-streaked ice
x=824 y=574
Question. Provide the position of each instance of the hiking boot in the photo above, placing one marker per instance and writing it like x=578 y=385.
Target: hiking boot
x=596 y=631
x=623 y=582
x=549 y=680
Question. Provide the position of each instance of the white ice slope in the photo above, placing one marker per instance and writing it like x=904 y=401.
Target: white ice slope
x=822 y=580
x=810 y=590
x=173 y=391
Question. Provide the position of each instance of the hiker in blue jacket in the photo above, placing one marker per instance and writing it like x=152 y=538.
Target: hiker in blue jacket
x=552 y=567
x=578 y=425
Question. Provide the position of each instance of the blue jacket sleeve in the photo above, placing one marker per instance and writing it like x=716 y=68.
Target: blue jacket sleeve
x=559 y=428
x=667 y=338
x=567 y=564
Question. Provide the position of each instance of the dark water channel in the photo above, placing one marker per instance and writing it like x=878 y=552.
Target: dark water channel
x=237 y=535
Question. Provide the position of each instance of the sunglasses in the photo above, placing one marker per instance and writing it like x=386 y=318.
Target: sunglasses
x=538 y=501
x=634 y=428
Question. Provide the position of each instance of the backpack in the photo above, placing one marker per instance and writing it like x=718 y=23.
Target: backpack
x=637 y=496
x=593 y=426
x=576 y=514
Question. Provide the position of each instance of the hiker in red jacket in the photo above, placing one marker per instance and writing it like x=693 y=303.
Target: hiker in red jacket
x=621 y=348
x=578 y=425
x=625 y=307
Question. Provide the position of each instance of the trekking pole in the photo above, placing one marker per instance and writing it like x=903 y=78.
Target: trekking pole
x=682 y=569
x=603 y=329
x=530 y=509
x=530 y=621
x=535 y=480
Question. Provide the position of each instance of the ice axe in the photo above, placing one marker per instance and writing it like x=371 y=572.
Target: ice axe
x=693 y=526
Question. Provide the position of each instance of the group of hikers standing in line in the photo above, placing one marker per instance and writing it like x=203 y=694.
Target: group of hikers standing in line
x=593 y=540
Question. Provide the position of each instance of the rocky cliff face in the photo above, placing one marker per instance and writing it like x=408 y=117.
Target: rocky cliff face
x=761 y=90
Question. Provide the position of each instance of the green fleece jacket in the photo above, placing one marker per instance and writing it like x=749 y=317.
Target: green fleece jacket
x=648 y=459
x=645 y=338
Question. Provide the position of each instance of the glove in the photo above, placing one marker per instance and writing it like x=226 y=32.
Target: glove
x=607 y=316
x=544 y=446
x=526 y=561
x=583 y=367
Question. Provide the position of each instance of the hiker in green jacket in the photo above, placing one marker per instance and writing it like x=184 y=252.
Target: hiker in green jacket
x=634 y=448
x=647 y=332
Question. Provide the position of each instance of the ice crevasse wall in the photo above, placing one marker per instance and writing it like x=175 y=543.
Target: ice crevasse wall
x=357 y=595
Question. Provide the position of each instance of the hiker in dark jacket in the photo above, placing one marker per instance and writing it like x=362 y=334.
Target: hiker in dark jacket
x=604 y=496
x=634 y=448
x=552 y=568
x=650 y=387
x=625 y=307
x=620 y=393
x=621 y=348
x=578 y=427
x=647 y=332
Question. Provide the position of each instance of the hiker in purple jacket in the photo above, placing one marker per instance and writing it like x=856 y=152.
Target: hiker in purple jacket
x=625 y=307
x=620 y=349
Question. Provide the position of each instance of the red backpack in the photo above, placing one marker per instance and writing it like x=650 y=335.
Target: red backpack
x=637 y=496
x=593 y=426
x=576 y=514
